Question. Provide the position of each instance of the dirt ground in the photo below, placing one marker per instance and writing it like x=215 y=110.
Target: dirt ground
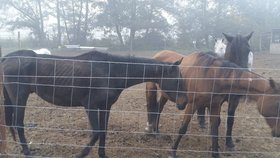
x=54 y=131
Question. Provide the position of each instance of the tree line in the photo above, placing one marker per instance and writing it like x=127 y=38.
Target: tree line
x=139 y=24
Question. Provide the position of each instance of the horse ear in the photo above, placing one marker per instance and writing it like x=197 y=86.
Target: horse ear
x=228 y=37
x=249 y=36
x=273 y=84
x=215 y=39
x=174 y=65
x=178 y=62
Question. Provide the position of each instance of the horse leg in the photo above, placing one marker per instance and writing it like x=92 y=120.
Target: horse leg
x=215 y=121
x=183 y=129
x=233 y=103
x=93 y=120
x=19 y=111
x=156 y=116
x=151 y=98
x=19 y=114
x=201 y=116
x=3 y=138
x=9 y=113
x=103 y=123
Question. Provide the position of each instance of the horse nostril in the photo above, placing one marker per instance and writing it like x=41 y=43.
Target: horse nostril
x=180 y=107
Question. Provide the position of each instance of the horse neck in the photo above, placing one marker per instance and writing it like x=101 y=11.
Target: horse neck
x=139 y=71
x=249 y=83
x=231 y=54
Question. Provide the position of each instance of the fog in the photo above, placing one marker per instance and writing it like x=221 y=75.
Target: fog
x=136 y=24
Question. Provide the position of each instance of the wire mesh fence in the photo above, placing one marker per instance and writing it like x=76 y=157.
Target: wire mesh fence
x=59 y=131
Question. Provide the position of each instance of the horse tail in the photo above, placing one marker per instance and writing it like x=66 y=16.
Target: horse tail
x=9 y=113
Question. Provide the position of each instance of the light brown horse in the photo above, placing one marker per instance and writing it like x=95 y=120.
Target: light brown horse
x=208 y=80
x=2 y=117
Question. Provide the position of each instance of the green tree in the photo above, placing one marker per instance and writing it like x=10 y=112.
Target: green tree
x=28 y=14
x=133 y=18
x=75 y=17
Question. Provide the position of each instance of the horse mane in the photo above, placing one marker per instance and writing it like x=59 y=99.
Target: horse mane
x=210 y=60
x=234 y=50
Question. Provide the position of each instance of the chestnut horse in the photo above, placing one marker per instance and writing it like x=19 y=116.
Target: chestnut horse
x=209 y=80
x=93 y=80
x=2 y=117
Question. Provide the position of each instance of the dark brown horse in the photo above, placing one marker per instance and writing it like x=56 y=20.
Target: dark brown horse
x=209 y=80
x=93 y=80
x=237 y=51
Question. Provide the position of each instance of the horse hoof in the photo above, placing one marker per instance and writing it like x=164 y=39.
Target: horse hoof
x=230 y=148
x=27 y=153
x=172 y=154
x=201 y=122
x=148 y=129
x=103 y=156
x=215 y=155
x=153 y=135
x=202 y=125
x=80 y=156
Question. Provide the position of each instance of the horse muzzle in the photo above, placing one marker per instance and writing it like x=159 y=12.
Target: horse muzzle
x=180 y=107
x=275 y=134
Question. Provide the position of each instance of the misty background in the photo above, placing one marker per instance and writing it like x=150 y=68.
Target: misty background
x=129 y=25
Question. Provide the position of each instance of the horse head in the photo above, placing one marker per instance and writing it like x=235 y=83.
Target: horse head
x=220 y=47
x=171 y=75
x=269 y=107
x=238 y=49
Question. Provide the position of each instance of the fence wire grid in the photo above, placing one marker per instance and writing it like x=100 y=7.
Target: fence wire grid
x=57 y=131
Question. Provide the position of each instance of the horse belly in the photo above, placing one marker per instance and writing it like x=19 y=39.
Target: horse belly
x=62 y=96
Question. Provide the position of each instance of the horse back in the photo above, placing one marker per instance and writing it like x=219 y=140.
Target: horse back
x=168 y=56
x=20 y=53
x=172 y=56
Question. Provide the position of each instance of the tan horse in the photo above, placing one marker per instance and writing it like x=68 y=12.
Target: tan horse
x=208 y=80
x=2 y=117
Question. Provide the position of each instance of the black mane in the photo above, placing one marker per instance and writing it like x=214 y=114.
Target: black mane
x=211 y=60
